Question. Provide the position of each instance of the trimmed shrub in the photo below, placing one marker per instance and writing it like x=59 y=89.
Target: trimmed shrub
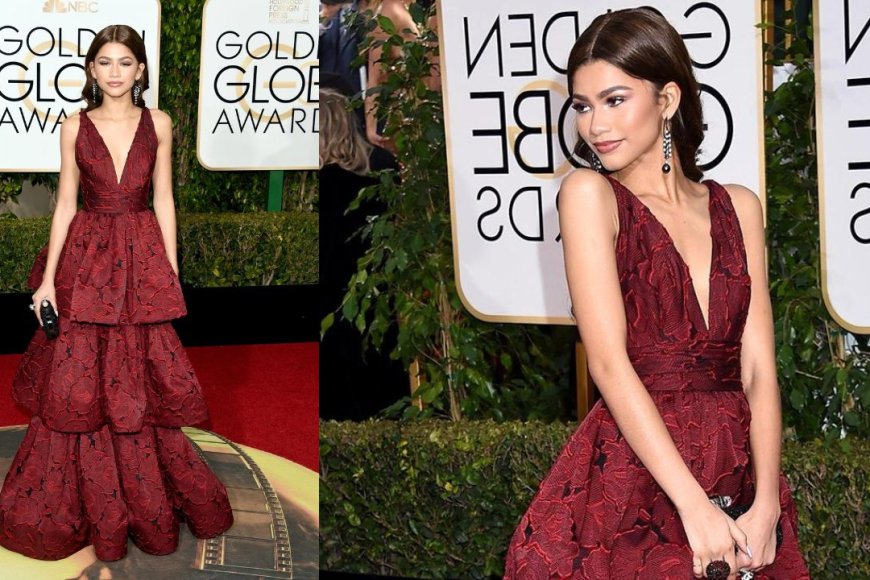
x=225 y=249
x=258 y=249
x=433 y=499
x=20 y=242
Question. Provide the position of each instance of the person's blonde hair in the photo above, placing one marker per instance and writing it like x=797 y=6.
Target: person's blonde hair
x=341 y=142
x=373 y=5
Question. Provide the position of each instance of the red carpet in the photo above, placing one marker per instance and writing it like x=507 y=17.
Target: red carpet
x=262 y=395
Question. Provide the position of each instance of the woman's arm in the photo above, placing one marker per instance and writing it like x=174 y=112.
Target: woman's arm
x=589 y=222
x=758 y=364
x=405 y=26
x=164 y=204
x=64 y=211
x=371 y=109
x=758 y=372
x=403 y=21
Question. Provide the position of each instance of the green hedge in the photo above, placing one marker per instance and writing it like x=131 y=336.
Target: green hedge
x=433 y=499
x=224 y=249
x=258 y=249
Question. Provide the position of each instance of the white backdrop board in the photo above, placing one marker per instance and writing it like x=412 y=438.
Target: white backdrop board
x=510 y=129
x=43 y=44
x=842 y=49
x=258 y=85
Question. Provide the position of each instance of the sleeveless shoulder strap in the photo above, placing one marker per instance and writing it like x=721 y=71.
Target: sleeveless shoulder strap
x=623 y=204
x=734 y=257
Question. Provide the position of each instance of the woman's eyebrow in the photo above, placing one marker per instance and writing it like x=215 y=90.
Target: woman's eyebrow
x=603 y=93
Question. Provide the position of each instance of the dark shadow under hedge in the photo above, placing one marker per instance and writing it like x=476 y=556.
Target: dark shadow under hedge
x=439 y=499
x=215 y=249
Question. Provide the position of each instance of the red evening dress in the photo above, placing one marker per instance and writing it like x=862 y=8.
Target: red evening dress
x=599 y=514
x=103 y=457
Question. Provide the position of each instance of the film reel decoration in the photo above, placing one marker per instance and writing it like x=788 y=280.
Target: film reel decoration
x=258 y=544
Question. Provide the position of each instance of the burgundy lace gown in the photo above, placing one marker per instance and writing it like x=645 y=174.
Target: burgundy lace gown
x=599 y=514
x=103 y=457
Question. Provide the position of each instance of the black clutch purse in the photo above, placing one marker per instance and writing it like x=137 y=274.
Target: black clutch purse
x=734 y=511
x=49 y=319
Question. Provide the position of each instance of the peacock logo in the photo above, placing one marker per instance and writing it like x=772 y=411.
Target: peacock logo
x=53 y=6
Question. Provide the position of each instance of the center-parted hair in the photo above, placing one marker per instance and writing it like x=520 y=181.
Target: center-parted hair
x=644 y=45
x=122 y=34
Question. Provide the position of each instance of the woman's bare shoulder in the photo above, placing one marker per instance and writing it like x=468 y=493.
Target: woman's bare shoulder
x=399 y=16
x=70 y=126
x=746 y=203
x=588 y=195
x=72 y=120
x=162 y=123
x=586 y=186
x=161 y=117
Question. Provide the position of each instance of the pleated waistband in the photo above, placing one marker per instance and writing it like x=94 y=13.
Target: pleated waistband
x=115 y=208
x=700 y=365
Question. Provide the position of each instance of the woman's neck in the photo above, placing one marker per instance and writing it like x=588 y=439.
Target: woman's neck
x=112 y=108
x=646 y=176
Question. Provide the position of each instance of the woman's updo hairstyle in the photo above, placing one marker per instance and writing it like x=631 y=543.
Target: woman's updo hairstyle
x=641 y=43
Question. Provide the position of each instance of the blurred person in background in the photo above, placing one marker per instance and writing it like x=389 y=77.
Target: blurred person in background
x=346 y=161
x=339 y=42
x=398 y=12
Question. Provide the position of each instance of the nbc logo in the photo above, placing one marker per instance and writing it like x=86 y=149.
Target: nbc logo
x=73 y=6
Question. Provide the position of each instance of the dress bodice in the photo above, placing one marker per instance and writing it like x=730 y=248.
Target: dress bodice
x=102 y=189
x=668 y=342
x=113 y=267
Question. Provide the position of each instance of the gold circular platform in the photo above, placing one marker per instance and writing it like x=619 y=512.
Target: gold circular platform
x=274 y=535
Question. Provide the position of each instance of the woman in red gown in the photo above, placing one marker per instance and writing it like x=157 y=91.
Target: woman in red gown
x=668 y=284
x=104 y=458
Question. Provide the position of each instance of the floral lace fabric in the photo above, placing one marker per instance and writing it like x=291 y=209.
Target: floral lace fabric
x=599 y=514
x=104 y=459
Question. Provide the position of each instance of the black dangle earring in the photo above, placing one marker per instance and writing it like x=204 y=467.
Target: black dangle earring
x=137 y=90
x=596 y=163
x=666 y=145
x=94 y=90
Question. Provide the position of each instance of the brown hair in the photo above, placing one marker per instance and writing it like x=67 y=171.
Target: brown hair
x=641 y=43
x=341 y=141
x=122 y=34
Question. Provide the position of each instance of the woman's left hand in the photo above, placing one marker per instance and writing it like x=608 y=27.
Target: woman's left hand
x=759 y=525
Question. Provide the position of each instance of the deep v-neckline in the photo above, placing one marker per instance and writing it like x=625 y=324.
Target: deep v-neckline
x=119 y=179
x=706 y=322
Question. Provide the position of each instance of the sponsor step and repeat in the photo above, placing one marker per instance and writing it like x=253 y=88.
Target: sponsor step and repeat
x=258 y=102
x=42 y=53
x=258 y=85
x=842 y=49
x=510 y=133
x=508 y=119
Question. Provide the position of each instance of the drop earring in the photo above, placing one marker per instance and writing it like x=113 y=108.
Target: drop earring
x=596 y=163
x=94 y=91
x=137 y=90
x=666 y=145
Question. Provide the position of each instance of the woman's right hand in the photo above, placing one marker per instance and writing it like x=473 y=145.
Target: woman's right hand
x=44 y=292
x=712 y=535
x=374 y=138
